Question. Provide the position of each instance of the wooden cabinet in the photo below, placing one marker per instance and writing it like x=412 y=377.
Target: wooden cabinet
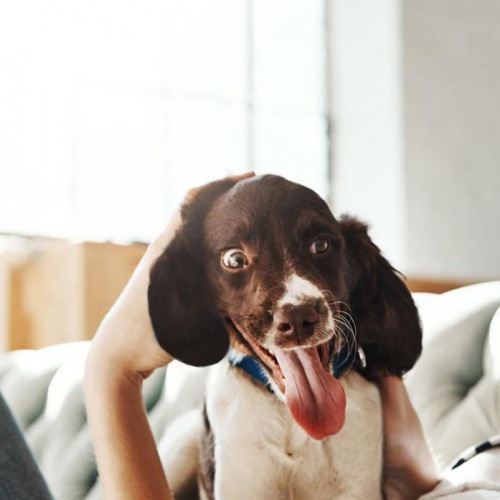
x=60 y=291
x=57 y=291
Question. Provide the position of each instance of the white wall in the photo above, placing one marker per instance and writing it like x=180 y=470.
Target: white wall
x=417 y=130
x=368 y=178
x=452 y=137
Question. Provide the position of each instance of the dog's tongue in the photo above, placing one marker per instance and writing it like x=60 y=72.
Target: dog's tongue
x=314 y=397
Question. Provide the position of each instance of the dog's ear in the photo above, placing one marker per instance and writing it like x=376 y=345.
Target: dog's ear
x=387 y=321
x=181 y=308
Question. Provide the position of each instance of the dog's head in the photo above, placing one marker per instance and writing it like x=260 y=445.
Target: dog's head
x=263 y=265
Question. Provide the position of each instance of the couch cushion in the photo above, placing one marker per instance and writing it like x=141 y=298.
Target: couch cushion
x=455 y=385
x=44 y=390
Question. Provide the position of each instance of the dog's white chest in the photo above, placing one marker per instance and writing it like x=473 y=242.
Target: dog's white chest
x=261 y=453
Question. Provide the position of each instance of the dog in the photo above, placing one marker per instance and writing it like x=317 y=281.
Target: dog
x=304 y=312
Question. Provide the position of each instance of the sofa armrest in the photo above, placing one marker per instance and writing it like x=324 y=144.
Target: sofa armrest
x=455 y=385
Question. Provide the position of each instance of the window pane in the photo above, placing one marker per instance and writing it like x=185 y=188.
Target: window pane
x=139 y=153
x=35 y=151
x=121 y=163
x=205 y=47
x=294 y=146
x=206 y=140
x=289 y=54
x=111 y=109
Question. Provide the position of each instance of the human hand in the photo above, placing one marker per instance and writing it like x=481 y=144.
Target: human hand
x=409 y=468
x=125 y=341
x=125 y=351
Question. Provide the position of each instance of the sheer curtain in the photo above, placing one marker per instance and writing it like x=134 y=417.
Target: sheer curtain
x=110 y=110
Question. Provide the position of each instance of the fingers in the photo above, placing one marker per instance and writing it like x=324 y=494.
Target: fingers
x=241 y=177
x=191 y=194
x=167 y=234
x=126 y=333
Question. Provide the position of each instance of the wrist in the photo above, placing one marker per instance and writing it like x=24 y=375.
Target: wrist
x=106 y=372
x=124 y=446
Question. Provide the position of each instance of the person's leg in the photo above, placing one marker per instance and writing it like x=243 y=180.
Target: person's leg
x=20 y=477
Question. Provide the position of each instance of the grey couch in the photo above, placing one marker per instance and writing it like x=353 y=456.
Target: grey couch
x=455 y=387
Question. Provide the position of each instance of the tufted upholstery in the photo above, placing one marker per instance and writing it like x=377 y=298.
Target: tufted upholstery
x=455 y=387
x=44 y=390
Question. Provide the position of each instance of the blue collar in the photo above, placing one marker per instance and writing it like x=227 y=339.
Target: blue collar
x=342 y=363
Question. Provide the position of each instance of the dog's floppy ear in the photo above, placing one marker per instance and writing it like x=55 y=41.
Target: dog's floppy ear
x=387 y=321
x=182 y=312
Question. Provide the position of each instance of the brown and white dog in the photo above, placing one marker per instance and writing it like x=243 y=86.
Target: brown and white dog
x=263 y=267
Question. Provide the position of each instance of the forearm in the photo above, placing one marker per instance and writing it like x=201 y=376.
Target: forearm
x=124 y=352
x=127 y=457
x=409 y=468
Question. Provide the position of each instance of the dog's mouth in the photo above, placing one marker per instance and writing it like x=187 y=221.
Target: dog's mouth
x=313 y=395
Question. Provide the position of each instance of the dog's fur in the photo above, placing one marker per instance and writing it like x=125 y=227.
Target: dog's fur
x=302 y=278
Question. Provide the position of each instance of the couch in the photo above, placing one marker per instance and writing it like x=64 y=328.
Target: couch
x=455 y=387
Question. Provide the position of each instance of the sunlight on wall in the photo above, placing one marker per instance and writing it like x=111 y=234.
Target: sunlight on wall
x=112 y=109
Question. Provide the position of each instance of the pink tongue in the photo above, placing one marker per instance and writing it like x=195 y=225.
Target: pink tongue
x=314 y=397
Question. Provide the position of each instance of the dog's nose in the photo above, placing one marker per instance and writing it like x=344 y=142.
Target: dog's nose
x=296 y=321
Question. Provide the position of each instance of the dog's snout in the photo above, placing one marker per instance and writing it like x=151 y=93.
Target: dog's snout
x=297 y=321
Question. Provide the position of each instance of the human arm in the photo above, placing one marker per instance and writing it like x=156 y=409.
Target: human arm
x=123 y=353
x=409 y=468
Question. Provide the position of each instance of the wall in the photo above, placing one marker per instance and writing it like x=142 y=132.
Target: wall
x=417 y=130
x=452 y=137
x=367 y=130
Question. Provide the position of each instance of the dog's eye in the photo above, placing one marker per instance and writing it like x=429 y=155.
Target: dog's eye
x=234 y=259
x=320 y=245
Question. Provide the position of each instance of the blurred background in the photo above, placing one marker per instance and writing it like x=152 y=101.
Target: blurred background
x=110 y=110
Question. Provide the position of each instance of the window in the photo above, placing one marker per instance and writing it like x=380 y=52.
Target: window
x=110 y=110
